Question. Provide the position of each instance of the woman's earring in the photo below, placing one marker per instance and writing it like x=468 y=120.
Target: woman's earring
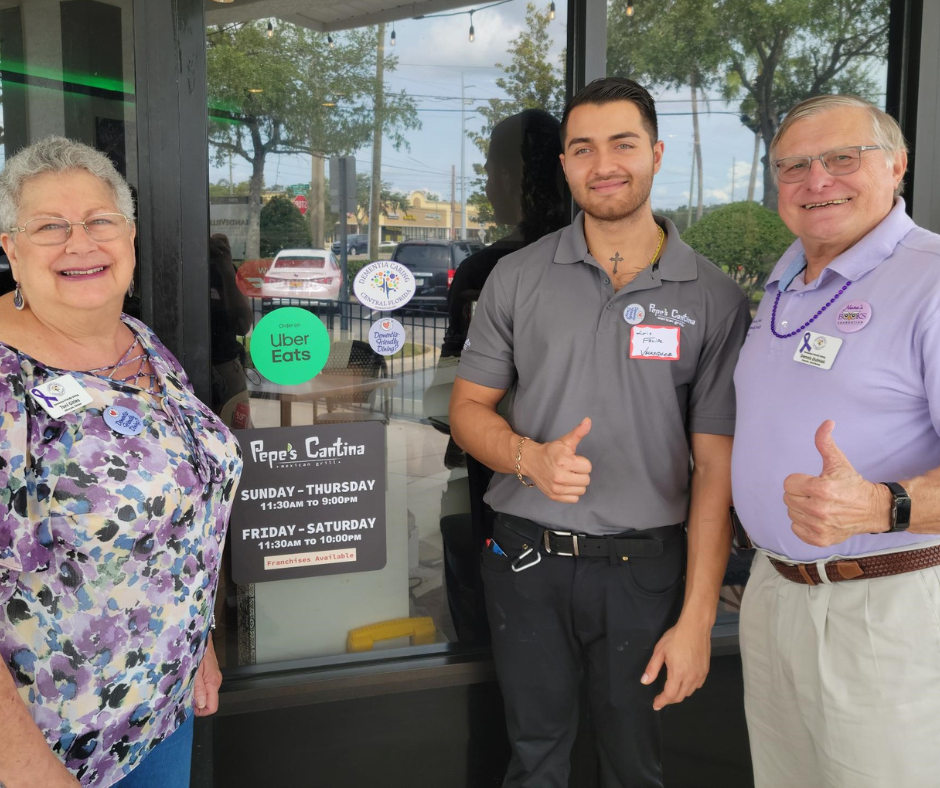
x=130 y=289
x=18 y=300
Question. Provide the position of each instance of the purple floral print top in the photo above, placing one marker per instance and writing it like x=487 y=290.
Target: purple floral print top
x=109 y=557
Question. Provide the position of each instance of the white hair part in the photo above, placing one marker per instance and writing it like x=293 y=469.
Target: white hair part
x=57 y=155
x=885 y=130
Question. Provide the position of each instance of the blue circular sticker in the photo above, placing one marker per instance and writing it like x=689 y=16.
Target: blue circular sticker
x=123 y=420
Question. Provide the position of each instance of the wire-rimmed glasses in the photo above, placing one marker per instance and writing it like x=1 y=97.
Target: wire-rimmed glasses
x=53 y=230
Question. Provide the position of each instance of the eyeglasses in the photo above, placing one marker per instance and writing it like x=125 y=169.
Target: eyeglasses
x=50 y=231
x=841 y=161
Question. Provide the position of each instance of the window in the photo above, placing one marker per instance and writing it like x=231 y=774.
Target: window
x=283 y=101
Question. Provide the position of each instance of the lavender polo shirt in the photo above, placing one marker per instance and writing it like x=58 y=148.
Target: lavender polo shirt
x=883 y=390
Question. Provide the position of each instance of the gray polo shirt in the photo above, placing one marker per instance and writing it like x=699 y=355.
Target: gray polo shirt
x=549 y=325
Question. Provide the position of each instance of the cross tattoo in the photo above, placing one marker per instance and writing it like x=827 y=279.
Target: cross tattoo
x=616 y=259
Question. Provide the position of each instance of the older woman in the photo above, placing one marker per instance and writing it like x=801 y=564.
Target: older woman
x=115 y=489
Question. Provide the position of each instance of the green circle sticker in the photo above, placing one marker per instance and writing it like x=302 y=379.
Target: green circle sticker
x=289 y=346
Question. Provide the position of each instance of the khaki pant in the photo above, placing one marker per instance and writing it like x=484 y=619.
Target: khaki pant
x=842 y=681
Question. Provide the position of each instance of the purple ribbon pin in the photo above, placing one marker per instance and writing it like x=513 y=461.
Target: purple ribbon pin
x=806 y=348
x=50 y=401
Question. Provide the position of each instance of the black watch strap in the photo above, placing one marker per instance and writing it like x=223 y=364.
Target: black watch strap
x=900 y=508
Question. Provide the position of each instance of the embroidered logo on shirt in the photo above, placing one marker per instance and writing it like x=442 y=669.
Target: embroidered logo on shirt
x=671 y=316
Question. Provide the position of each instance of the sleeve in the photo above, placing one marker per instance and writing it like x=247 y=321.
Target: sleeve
x=711 y=396
x=487 y=358
x=930 y=359
x=22 y=514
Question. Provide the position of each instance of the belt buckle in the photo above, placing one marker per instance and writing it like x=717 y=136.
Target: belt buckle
x=548 y=547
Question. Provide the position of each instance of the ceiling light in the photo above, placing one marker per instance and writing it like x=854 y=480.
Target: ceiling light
x=472 y=36
x=629 y=7
x=270 y=30
x=551 y=10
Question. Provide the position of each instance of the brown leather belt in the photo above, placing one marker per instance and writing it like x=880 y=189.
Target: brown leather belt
x=864 y=566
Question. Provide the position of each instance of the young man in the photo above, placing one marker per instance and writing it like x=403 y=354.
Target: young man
x=619 y=342
x=839 y=627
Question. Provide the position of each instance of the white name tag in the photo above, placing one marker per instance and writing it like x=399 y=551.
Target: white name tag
x=61 y=396
x=817 y=350
x=656 y=342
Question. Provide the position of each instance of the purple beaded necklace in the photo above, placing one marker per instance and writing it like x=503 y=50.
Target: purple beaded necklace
x=773 y=314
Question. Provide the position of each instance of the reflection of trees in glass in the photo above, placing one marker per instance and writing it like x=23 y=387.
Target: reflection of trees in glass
x=282 y=227
x=292 y=93
x=531 y=81
x=773 y=54
x=390 y=201
x=744 y=238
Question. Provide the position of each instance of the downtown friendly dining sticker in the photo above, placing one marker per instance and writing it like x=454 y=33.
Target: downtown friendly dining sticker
x=384 y=285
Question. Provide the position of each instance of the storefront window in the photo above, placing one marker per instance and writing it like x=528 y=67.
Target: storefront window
x=357 y=510
x=723 y=76
x=67 y=68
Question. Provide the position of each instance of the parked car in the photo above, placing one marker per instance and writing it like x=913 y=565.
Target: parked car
x=433 y=264
x=357 y=243
x=387 y=249
x=303 y=273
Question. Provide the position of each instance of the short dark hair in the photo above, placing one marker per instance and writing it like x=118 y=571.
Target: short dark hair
x=607 y=90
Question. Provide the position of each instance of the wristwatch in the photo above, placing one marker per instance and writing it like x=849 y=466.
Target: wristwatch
x=900 y=508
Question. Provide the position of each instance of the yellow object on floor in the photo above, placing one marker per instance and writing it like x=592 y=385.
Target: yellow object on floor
x=421 y=631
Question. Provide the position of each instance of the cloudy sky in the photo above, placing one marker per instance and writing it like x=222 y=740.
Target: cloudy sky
x=435 y=54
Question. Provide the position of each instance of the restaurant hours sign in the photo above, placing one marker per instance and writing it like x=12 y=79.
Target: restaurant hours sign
x=311 y=502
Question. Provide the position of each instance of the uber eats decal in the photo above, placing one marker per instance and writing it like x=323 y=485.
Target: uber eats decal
x=290 y=346
x=311 y=502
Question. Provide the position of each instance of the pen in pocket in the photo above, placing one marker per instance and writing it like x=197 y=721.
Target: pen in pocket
x=491 y=545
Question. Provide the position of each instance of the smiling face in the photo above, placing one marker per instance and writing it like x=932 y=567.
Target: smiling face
x=829 y=212
x=609 y=159
x=81 y=273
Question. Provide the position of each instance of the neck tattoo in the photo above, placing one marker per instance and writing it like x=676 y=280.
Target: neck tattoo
x=615 y=260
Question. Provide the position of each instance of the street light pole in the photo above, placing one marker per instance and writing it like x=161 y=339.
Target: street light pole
x=463 y=178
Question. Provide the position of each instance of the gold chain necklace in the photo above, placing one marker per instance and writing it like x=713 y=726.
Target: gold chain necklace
x=659 y=246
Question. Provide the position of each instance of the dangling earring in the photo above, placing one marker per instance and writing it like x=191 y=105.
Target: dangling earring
x=130 y=289
x=18 y=301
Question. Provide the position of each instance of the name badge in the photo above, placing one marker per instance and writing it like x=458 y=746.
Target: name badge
x=61 y=396
x=817 y=350
x=655 y=342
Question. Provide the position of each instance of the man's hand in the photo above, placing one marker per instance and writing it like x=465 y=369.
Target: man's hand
x=829 y=508
x=208 y=681
x=556 y=468
x=685 y=650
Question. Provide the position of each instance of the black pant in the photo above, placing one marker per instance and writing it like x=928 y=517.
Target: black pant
x=566 y=619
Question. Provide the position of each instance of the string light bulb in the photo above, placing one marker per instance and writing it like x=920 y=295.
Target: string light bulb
x=393 y=34
x=551 y=11
x=329 y=40
x=270 y=30
x=629 y=7
x=472 y=34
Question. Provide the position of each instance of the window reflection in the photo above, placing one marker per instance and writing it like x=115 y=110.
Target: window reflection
x=456 y=162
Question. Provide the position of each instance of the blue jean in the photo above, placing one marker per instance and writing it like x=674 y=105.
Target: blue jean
x=167 y=764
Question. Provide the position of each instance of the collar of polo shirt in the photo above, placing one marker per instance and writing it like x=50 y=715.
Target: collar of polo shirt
x=677 y=263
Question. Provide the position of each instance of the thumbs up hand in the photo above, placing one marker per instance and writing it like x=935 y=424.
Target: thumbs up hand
x=829 y=508
x=556 y=468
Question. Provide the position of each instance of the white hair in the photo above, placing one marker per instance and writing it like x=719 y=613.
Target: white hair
x=57 y=154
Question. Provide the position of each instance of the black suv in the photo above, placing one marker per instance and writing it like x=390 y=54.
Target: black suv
x=357 y=243
x=433 y=264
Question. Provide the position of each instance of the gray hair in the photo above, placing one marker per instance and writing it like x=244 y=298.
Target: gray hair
x=57 y=154
x=885 y=130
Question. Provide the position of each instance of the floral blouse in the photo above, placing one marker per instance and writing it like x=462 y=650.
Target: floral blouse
x=109 y=557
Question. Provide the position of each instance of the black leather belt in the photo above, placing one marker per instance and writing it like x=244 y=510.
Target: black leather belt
x=638 y=544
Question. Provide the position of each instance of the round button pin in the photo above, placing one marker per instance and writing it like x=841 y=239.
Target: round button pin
x=634 y=314
x=853 y=317
x=123 y=420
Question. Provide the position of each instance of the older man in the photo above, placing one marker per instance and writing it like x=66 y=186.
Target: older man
x=840 y=627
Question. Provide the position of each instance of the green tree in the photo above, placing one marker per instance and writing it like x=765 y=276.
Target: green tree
x=773 y=54
x=743 y=238
x=670 y=44
x=530 y=81
x=390 y=201
x=282 y=227
x=292 y=93
x=224 y=189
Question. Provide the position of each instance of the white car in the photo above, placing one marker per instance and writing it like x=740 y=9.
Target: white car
x=303 y=273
